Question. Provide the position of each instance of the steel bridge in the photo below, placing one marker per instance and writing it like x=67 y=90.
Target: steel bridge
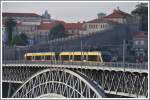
x=76 y=79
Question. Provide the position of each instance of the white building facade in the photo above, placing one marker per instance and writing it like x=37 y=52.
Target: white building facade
x=97 y=26
x=104 y=22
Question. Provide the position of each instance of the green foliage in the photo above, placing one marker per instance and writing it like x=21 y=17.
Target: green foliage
x=20 y=40
x=10 y=24
x=57 y=32
x=142 y=11
x=24 y=37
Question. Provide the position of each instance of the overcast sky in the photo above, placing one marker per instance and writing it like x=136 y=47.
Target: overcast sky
x=68 y=11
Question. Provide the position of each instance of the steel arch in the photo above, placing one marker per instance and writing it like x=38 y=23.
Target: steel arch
x=59 y=81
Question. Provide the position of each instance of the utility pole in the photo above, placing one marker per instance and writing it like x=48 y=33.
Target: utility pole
x=124 y=46
x=81 y=55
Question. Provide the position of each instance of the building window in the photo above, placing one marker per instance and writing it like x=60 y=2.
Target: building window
x=102 y=26
x=136 y=42
x=142 y=42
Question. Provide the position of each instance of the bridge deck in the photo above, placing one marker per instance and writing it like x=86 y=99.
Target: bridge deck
x=131 y=67
x=133 y=79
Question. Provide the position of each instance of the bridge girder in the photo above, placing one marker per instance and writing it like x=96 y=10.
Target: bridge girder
x=132 y=84
x=59 y=81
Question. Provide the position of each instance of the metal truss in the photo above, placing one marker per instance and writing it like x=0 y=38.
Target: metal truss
x=63 y=82
x=17 y=74
x=120 y=83
x=131 y=84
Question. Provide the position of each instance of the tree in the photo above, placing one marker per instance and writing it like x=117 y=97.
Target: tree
x=10 y=24
x=57 y=32
x=20 y=40
x=24 y=37
x=142 y=11
x=17 y=40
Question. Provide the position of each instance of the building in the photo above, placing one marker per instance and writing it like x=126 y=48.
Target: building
x=119 y=16
x=26 y=22
x=45 y=27
x=140 y=14
x=140 y=44
x=105 y=22
x=74 y=28
x=98 y=24
x=70 y=28
x=21 y=16
x=4 y=32
x=101 y=15
x=29 y=27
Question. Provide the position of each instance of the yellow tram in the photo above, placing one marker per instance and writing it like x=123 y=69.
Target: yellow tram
x=81 y=56
x=46 y=56
x=94 y=56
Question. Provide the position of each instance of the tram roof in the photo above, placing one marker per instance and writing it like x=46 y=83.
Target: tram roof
x=80 y=53
x=40 y=54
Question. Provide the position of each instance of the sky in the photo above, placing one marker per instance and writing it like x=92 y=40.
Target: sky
x=68 y=11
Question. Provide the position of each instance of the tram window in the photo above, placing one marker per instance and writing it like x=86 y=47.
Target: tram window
x=28 y=57
x=37 y=57
x=84 y=57
x=33 y=57
x=42 y=57
x=71 y=57
x=92 y=58
x=77 y=58
x=106 y=58
x=48 y=57
x=64 y=57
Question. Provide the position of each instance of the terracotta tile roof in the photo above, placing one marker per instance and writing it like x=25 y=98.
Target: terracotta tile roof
x=5 y=14
x=141 y=35
x=118 y=14
x=98 y=21
x=59 y=21
x=67 y=26
x=78 y=26
x=45 y=26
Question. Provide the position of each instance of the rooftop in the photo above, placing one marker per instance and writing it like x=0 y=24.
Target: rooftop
x=45 y=26
x=78 y=26
x=6 y=14
x=118 y=14
x=98 y=21
x=141 y=35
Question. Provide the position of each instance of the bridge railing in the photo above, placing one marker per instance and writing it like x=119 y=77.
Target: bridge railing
x=91 y=64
